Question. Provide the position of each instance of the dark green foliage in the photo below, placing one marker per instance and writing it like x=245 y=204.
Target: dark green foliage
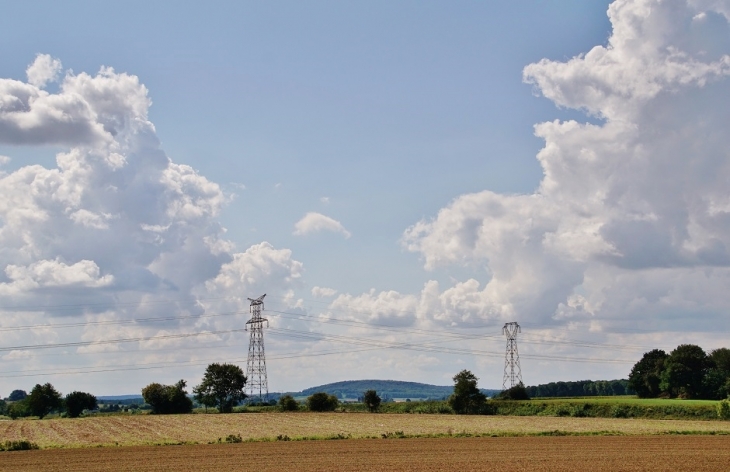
x=167 y=399
x=684 y=371
x=21 y=445
x=717 y=381
x=580 y=409
x=77 y=402
x=723 y=410
x=580 y=388
x=287 y=403
x=371 y=400
x=18 y=409
x=518 y=392
x=43 y=399
x=721 y=360
x=222 y=386
x=466 y=399
x=320 y=401
x=17 y=395
x=645 y=376
x=687 y=372
x=427 y=407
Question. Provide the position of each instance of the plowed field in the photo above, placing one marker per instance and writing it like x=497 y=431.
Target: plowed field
x=534 y=454
x=176 y=429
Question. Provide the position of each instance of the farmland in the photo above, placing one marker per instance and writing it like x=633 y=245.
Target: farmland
x=136 y=430
x=535 y=454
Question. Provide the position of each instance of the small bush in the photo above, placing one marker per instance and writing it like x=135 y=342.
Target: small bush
x=620 y=411
x=580 y=411
x=287 y=403
x=22 y=445
x=18 y=409
x=723 y=410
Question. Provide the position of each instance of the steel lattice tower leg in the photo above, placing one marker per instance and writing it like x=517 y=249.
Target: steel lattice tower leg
x=256 y=380
x=512 y=371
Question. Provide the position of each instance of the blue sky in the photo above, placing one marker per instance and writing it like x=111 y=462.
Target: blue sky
x=390 y=110
x=406 y=131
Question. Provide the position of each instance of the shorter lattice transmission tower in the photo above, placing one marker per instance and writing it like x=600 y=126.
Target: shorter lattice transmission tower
x=257 y=382
x=512 y=371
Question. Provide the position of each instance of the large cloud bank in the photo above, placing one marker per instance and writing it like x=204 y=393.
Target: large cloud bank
x=117 y=227
x=630 y=226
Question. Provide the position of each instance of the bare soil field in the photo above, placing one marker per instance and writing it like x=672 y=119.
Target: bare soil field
x=534 y=454
x=203 y=429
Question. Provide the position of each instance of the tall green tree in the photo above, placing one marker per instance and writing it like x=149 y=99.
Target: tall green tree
x=43 y=399
x=466 y=399
x=646 y=375
x=77 y=402
x=684 y=372
x=371 y=400
x=167 y=399
x=222 y=386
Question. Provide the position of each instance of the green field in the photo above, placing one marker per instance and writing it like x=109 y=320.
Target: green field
x=629 y=400
x=593 y=407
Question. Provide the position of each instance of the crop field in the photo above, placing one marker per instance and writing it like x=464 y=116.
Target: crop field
x=534 y=454
x=203 y=429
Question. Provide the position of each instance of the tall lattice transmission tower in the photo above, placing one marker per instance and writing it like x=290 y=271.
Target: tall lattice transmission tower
x=258 y=385
x=512 y=371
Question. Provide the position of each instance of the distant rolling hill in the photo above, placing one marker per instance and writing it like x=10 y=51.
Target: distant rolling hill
x=387 y=389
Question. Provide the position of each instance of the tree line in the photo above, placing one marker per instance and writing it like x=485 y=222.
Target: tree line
x=581 y=388
x=686 y=372
x=45 y=399
x=222 y=388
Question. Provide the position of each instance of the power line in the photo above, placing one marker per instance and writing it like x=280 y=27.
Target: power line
x=576 y=343
x=116 y=341
x=118 y=322
x=176 y=364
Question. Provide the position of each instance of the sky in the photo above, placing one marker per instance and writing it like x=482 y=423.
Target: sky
x=400 y=178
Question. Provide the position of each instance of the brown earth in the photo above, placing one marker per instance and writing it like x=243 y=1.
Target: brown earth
x=534 y=454
x=199 y=428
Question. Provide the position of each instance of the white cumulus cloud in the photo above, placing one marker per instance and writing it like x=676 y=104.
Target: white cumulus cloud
x=115 y=218
x=632 y=211
x=314 y=222
x=44 y=69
